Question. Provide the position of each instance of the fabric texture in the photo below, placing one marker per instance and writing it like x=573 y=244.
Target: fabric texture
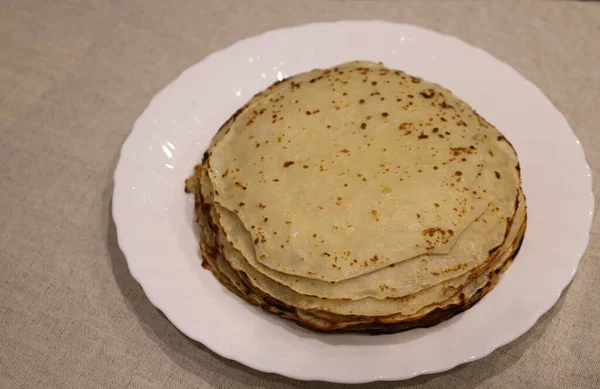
x=75 y=75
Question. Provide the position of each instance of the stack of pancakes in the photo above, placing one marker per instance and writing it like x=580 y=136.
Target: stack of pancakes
x=359 y=198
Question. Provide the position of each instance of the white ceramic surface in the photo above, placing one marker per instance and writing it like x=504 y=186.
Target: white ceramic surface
x=156 y=232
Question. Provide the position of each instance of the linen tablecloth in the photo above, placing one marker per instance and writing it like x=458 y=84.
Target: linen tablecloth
x=75 y=74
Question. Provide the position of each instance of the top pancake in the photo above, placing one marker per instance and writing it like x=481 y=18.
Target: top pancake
x=335 y=174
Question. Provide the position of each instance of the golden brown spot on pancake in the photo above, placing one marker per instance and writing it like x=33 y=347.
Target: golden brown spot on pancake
x=497 y=174
x=404 y=126
x=428 y=93
x=433 y=230
x=288 y=163
x=460 y=150
x=239 y=185
x=375 y=214
x=363 y=126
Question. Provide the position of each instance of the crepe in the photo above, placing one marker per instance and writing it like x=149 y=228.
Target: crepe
x=359 y=198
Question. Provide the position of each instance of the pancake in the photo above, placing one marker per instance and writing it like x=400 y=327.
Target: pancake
x=359 y=198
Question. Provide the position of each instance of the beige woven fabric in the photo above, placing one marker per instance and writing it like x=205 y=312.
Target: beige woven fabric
x=74 y=76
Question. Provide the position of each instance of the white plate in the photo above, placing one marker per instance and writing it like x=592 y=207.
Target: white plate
x=156 y=233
